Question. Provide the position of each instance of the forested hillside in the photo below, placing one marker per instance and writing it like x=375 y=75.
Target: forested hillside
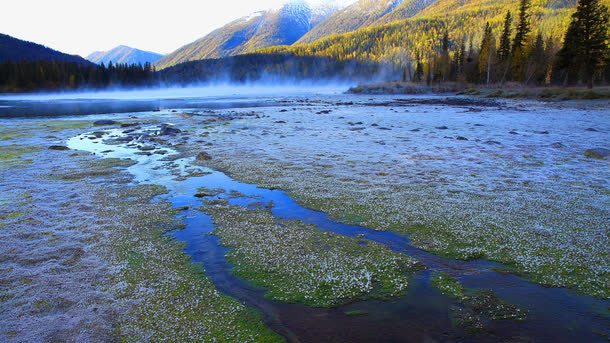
x=365 y=13
x=26 y=66
x=379 y=30
x=401 y=42
x=407 y=9
x=484 y=41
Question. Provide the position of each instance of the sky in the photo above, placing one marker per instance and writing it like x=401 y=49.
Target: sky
x=81 y=26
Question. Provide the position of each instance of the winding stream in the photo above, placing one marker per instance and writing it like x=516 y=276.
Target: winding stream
x=422 y=314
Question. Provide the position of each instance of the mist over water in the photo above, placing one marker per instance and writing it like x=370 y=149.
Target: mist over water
x=208 y=91
x=122 y=100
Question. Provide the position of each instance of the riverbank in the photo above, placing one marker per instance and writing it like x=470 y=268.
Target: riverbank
x=494 y=91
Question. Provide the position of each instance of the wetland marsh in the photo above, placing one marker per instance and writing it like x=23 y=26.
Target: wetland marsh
x=304 y=217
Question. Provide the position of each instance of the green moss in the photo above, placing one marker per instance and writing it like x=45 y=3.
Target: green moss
x=112 y=163
x=10 y=135
x=204 y=192
x=92 y=169
x=466 y=319
x=134 y=259
x=61 y=125
x=298 y=263
x=487 y=303
x=41 y=304
x=547 y=93
x=477 y=305
x=448 y=286
x=13 y=155
x=11 y=215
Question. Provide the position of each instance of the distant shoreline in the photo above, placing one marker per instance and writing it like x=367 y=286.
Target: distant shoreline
x=494 y=91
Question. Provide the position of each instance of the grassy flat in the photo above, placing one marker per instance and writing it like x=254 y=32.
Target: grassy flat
x=298 y=263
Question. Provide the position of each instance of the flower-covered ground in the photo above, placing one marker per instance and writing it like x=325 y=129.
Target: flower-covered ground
x=297 y=262
x=82 y=256
x=509 y=182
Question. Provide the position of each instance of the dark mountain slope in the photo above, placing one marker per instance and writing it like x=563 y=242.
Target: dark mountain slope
x=13 y=49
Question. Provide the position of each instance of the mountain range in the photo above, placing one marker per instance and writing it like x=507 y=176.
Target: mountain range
x=297 y=26
x=283 y=26
x=124 y=54
x=370 y=30
x=295 y=23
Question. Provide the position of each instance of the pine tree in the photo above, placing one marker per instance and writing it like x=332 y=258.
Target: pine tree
x=504 y=49
x=550 y=53
x=444 y=65
x=487 y=53
x=445 y=43
x=593 y=19
x=585 y=45
x=524 y=26
x=565 y=71
x=429 y=73
x=518 y=49
x=419 y=69
x=607 y=69
x=471 y=67
x=536 y=62
x=462 y=56
x=459 y=59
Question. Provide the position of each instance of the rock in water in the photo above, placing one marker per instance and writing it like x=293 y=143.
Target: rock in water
x=59 y=147
x=167 y=130
x=598 y=153
x=203 y=156
x=558 y=145
x=104 y=122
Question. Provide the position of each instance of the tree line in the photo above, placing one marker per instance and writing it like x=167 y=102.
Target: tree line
x=23 y=76
x=524 y=57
